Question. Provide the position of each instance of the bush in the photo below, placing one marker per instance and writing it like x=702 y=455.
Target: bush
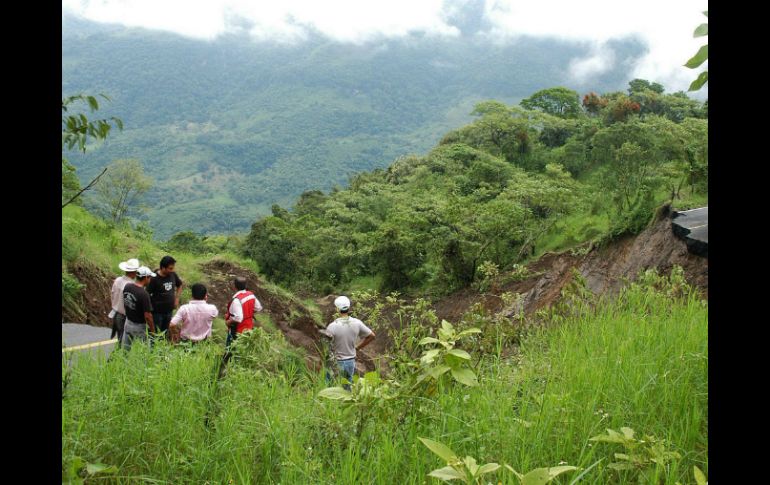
x=71 y=293
x=264 y=351
x=186 y=241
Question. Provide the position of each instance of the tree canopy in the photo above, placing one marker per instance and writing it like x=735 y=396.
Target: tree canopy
x=491 y=193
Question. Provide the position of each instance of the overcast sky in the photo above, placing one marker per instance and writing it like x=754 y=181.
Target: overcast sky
x=665 y=25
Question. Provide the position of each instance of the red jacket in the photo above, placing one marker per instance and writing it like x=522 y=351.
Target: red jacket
x=249 y=303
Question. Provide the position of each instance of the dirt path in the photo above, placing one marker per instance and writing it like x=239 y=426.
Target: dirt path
x=290 y=315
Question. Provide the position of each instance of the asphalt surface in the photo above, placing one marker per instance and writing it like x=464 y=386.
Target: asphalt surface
x=693 y=227
x=80 y=338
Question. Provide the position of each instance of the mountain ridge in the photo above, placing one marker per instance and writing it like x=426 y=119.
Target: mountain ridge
x=272 y=121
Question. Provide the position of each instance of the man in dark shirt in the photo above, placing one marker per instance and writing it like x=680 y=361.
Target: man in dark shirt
x=164 y=290
x=138 y=307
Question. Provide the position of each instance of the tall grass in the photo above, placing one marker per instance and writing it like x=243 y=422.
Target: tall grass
x=640 y=361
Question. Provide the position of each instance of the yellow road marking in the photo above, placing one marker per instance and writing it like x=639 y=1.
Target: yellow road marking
x=87 y=346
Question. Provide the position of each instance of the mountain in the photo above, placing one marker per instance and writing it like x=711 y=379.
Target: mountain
x=231 y=126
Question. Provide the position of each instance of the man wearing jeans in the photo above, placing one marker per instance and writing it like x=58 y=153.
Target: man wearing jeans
x=239 y=316
x=118 y=313
x=136 y=301
x=164 y=290
x=344 y=332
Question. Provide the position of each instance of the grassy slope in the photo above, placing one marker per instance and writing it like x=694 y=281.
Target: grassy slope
x=85 y=237
x=580 y=227
x=640 y=362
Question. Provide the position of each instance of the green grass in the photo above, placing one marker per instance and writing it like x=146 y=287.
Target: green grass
x=315 y=312
x=365 y=283
x=583 y=226
x=571 y=231
x=640 y=361
x=265 y=320
x=691 y=200
x=89 y=238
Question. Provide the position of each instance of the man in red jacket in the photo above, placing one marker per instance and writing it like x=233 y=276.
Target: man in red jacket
x=240 y=313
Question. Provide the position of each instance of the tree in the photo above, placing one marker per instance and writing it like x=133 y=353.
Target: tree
x=501 y=130
x=556 y=131
x=593 y=103
x=641 y=85
x=76 y=130
x=70 y=185
x=121 y=189
x=700 y=57
x=620 y=109
x=559 y=101
x=633 y=154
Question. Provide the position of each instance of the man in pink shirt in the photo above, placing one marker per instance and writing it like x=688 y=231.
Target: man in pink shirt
x=193 y=321
x=118 y=313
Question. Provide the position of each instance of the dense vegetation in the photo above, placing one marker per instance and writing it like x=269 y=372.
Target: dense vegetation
x=509 y=185
x=227 y=128
x=636 y=363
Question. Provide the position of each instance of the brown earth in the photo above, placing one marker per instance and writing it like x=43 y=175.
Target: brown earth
x=95 y=297
x=290 y=316
x=606 y=270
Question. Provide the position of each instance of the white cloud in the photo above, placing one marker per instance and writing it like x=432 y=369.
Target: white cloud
x=343 y=20
x=666 y=26
x=200 y=19
x=600 y=60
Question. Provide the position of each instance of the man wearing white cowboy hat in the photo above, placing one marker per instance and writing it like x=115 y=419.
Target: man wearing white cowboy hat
x=138 y=308
x=118 y=313
x=344 y=332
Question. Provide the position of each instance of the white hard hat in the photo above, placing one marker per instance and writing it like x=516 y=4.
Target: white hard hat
x=342 y=303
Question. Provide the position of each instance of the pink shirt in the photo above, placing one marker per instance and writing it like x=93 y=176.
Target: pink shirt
x=196 y=318
x=117 y=293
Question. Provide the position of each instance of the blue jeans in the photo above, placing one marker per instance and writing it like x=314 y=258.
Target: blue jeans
x=231 y=336
x=347 y=368
x=161 y=321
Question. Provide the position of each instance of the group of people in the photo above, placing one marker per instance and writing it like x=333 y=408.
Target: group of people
x=143 y=304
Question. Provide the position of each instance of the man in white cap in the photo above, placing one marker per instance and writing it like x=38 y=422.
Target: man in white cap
x=344 y=332
x=118 y=313
x=138 y=308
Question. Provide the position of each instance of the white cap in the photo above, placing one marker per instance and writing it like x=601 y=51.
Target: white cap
x=144 y=271
x=342 y=303
x=130 y=265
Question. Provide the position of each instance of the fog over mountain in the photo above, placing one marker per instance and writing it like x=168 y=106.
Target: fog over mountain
x=227 y=127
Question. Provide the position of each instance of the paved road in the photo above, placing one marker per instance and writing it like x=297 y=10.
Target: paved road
x=693 y=227
x=80 y=338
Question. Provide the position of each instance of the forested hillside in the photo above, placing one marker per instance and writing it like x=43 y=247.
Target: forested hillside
x=227 y=128
x=493 y=194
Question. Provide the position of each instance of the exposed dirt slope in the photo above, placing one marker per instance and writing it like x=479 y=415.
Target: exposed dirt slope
x=606 y=270
x=291 y=316
x=95 y=296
